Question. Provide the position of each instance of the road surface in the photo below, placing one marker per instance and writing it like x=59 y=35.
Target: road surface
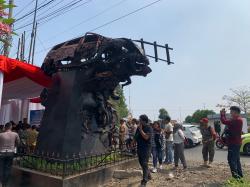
x=194 y=176
x=195 y=153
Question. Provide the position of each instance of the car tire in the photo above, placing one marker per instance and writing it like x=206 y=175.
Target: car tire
x=246 y=149
x=198 y=143
x=190 y=143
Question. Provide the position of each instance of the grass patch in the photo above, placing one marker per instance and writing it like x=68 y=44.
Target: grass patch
x=66 y=167
x=245 y=182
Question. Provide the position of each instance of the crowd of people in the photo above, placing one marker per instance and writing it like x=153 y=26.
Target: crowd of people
x=27 y=134
x=15 y=138
x=165 y=141
x=162 y=140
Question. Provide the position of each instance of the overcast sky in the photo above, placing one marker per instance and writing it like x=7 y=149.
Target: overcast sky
x=210 y=39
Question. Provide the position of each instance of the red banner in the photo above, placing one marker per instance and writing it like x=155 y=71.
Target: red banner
x=15 y=69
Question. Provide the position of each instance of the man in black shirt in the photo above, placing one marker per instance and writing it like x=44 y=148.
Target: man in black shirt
x=143 y=138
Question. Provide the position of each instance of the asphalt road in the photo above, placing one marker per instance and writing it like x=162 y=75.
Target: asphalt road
x=195 y=154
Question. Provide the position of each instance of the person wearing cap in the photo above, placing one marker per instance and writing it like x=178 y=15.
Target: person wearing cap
x=208 y=138
x=234 y=139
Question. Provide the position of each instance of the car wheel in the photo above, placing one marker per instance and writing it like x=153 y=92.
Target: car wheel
x=246 y=149
x=198 y=143
x=190 y=143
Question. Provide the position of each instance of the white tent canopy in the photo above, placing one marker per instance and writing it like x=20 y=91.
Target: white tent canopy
x=19 y=82
x=15 y=100
x=22 y=88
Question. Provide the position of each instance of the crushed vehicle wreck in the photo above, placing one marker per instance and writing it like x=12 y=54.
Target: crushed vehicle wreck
x=85 y=72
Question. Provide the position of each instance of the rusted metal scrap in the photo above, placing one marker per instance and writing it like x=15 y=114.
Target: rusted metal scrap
x=85 y=72
x=117 y=58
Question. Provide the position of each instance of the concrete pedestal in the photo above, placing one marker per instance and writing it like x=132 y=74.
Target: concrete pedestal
x=28 y=178
x=62 y=129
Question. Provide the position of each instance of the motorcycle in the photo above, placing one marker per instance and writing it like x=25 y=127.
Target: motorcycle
x=221 y=141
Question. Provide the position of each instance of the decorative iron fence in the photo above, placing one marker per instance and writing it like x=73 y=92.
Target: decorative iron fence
x=54 y=165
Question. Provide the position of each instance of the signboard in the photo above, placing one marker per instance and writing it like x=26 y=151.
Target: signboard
x=36 y=117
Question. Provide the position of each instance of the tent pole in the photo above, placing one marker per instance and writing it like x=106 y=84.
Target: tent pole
x=24 y=108
x=1 y=87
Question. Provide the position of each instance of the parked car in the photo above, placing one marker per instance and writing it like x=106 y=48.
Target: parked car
x=192 y=134
x=245 y=147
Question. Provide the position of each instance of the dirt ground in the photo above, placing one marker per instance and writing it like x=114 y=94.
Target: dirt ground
x=195 y=176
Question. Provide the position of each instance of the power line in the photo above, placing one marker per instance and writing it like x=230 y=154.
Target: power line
x=42 y=5
x=30 y=10
x=114 y=20
x=89 y=19
x=58 y=12
x=63 y=12
x=40 y=41
x=39 y=8
x=64 y=7
x=30 y=23
x=39 y=5
x=126 y=15
x=42 y=13
x=25 y=7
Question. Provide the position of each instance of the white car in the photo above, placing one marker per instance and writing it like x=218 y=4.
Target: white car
x=192 y=134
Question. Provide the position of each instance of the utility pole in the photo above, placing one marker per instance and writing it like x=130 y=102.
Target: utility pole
x=180 y=114
x=204 y=106
x=22 y=47
x=18 y=49
x=34 y=44
x=9 y=38
x=24 y=41
x=33 y=32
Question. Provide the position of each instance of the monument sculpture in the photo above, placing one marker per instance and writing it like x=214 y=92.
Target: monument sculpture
x=85 y=72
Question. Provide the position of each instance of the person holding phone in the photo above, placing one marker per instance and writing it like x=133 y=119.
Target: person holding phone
x=234 y=126
x=143 y=138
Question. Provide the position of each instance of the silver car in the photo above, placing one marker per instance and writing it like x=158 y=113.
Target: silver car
x=192 y=134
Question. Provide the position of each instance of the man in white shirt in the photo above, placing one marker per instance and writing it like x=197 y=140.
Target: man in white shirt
x=8 y=142
x=169 y=140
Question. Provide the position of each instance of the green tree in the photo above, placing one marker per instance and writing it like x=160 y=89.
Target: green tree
x=189 y=119
x=163 y=113
x=198 y=115
x=239 y=97
x=120 y=105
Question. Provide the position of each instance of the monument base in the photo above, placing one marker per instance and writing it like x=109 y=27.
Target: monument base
x=64 y=130
x=22 y=177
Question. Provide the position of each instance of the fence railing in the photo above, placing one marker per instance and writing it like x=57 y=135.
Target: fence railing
x=54 y=165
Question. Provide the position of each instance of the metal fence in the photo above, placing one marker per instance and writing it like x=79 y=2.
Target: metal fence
x=53 y=164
